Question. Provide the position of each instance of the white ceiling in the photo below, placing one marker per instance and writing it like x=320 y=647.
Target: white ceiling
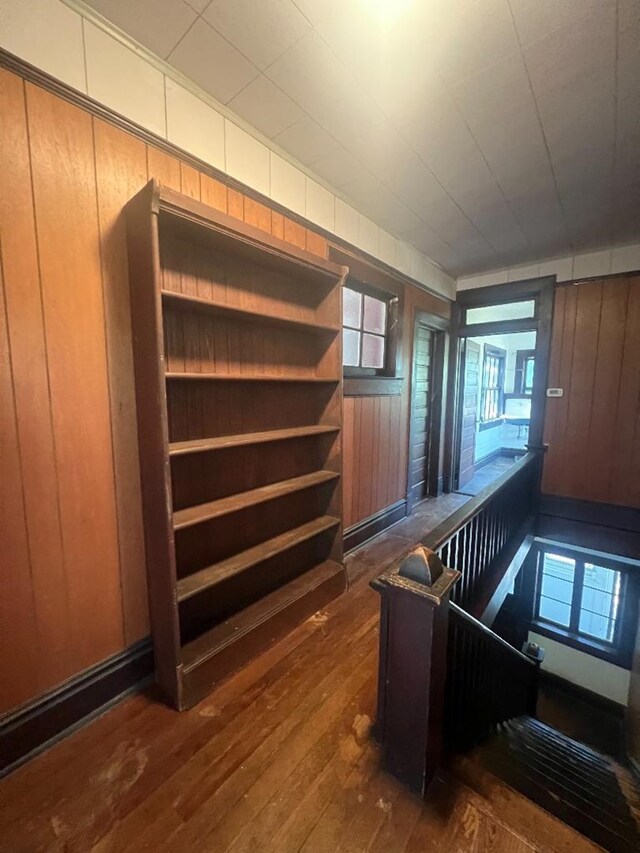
x=485 y=132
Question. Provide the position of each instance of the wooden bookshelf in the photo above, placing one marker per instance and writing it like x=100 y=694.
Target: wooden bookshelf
x=238 y=363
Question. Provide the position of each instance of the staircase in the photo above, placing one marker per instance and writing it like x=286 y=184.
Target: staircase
x=583 y=788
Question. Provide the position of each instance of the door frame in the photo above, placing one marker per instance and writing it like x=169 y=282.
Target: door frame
x=541 y=291
x=440 y=328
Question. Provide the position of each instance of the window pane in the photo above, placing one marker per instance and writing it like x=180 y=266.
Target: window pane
x=555 y=611
x=350 y=348
x=351 y=308
x=529 y=367
x=598 y=601
x=596 y=626
x=557 y=588
x=599 y=577
x=507 y=311
x=372 y=351
x=375 y=315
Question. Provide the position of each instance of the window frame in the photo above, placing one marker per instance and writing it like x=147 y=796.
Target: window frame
x=522 y=357
x=389 y=368
x=619 y=650
x=493 y=352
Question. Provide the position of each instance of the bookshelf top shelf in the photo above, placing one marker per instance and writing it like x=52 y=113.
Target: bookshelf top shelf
x=198 y=221
x=187 y=302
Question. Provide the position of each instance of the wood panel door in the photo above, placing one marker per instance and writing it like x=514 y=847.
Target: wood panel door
x=469 y=410
x=420 y=456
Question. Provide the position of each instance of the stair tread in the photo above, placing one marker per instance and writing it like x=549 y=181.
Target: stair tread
x=567 y=778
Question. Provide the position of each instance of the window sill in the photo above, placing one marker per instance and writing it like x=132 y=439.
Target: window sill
x=483 y=425
x=614 y=655
x=372 y=386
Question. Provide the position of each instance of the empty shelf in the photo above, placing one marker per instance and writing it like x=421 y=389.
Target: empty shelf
x=259 y=613
x=185 y=301
x=200 y=445
x=212 y=575
x=214 y=509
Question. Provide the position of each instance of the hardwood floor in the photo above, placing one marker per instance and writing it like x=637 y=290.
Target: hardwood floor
x=279 y=758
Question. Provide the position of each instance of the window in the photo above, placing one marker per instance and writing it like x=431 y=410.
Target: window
x=581 y=600
x=365 y=332
x=491 y=404
x=525 y=366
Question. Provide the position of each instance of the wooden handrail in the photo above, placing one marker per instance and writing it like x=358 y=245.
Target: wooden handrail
x=474 y=624
x=440 y=535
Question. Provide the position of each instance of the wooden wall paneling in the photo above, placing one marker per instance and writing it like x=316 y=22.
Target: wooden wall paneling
x=295 y=233
x=189 y=181
x=65 y=202
x=257 y=214
x=558 y=407
x=164 y=168
x=235 y=204
x=20 y=674
x=555 y=357
x=596 y=465
x=624 y=483
x=121 y=171
x=348 y=412
x=213 y=193
x=38 y=492
x=582 y=376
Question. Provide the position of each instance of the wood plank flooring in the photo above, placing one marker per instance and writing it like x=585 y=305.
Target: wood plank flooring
x=279 y=758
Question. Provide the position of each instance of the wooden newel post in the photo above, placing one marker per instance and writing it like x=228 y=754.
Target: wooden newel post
x=414 y=612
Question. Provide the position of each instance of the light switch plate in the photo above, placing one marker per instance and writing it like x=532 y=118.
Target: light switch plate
x=555 y=392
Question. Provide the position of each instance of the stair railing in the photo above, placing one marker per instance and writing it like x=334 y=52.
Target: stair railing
x=488 y=682
x=423 y=634
x=473 y=538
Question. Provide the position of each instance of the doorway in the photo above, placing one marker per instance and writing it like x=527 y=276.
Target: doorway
x=428 y=383
x=500 y=358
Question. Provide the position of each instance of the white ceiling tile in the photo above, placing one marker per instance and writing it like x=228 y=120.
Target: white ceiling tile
x=157 y=24
x=306 y=141
x=261 y=31
x=246 y=158
x=288 y=184
x=194 y=126
x=122 y=80
x=198 y=5
x=625 y=258
x=562 y=268
x=36 y=30
x=535 y=20
x=208 y=59
x=339 y=167
x=309 y=73
x=429 y=243
x=265 y=107
x=471 y=40
x=592 y=264
x=320 y=205
x=346 y=222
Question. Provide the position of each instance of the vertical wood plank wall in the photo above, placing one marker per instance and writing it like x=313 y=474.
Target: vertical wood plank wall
x=593 y=430
x=375 y=430
x=74 y=587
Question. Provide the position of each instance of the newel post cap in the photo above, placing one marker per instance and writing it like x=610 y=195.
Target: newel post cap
x=422 y=565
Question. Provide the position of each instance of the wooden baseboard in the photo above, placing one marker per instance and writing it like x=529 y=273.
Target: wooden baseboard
x=31 y=728
x=583 y=693
x=359 y=533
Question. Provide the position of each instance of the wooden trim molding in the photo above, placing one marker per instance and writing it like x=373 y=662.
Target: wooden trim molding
x=369 y=527
x=50 y=84
x=35 y=726
x=372 y=386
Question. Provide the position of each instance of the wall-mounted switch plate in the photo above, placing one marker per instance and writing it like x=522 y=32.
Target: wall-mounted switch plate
x=555 y=392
